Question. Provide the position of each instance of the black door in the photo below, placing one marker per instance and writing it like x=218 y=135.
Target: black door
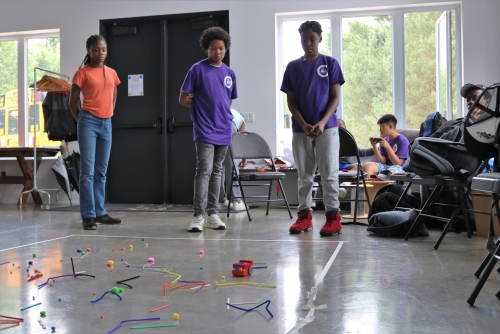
x=153 y=156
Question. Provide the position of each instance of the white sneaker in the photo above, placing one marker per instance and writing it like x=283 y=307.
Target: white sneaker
x=238 y=206
x=196 y=224
x=215 y=223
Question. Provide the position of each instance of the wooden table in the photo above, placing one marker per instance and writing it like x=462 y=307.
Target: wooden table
x=372 y=186
x=28 y=173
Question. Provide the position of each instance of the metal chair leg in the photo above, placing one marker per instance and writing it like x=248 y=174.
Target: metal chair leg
x=419 y=220
x=466 y=211
x=483 y=264
x=356 y=200
x=453 y=218
x=402 y=195
x=284 y=197
x=483 y=278
x=269 y=196
x=245 y=201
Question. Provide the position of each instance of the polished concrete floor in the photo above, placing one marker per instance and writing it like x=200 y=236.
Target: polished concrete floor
x=370 y=285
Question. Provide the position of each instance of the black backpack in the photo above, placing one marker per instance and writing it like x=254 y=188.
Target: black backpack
x=395 y=224
x=436 y=156
x=387 y=197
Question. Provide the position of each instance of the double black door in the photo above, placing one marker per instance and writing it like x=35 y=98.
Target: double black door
x=153 y=156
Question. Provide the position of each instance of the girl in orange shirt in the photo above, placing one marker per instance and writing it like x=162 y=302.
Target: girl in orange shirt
x=98 y=85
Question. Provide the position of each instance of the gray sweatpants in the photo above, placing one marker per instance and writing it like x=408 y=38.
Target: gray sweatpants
x=323 y=153
x=207 y=180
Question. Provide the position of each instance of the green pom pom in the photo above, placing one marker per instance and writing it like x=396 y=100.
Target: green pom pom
x=120 y=290
x=34 y=255
x=83 y=253
x=115 y=289
x=43 y=313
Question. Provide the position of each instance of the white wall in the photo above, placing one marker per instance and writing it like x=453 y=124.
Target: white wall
x=252 y=27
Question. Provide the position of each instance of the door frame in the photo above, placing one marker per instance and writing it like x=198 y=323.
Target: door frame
x=163 y=20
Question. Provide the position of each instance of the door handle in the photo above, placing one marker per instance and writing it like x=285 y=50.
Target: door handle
x=172 y=124
x=134 y=126
x=158 y=126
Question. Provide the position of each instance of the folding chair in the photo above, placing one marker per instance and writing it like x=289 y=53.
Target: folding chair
x=403 y=177
x=349 y=148
x=252 y=146
x=489 y=182
x=462 y=187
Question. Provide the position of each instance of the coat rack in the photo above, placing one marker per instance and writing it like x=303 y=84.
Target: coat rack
x=46 y=84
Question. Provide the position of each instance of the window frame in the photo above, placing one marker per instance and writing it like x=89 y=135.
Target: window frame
x=398 y=45
x=22 y=75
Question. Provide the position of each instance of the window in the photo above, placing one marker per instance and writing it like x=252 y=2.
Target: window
x=430 y=78
x=42 y=53
x=403 y=60
x=367 y=66
x=8 y=91
x=40 y=49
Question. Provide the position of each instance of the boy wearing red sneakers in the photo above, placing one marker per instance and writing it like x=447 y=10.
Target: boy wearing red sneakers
x=312 y=86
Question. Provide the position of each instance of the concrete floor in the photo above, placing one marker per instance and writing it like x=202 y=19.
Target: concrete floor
x=373 y=285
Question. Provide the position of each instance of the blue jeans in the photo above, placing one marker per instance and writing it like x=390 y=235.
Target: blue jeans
x=94 y=139
x=207 y=180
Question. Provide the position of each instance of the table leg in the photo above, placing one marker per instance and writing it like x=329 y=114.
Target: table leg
x=28 y=174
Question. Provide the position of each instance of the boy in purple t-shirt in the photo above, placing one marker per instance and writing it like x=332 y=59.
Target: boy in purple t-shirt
x=312 y=86
x=393 y=150
x=208 y=89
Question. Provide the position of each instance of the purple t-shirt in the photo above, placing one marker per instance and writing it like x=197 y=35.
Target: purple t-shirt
x=400 y=145
x=310 y=82
x=213 y=88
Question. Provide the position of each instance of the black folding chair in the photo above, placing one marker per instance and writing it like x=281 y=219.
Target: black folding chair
x=250 y=145
x=462 y=188
x=349 y=148
x=488 y=182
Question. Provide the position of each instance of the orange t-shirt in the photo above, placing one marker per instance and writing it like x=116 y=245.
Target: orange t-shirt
x=97 y=91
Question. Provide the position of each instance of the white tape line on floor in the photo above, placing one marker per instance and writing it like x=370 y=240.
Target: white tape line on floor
x=311 y=295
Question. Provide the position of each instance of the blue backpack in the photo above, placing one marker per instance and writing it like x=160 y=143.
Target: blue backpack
x=431 y=124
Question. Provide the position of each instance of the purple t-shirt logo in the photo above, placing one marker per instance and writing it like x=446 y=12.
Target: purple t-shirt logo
x=323 y=71
x=228 y=81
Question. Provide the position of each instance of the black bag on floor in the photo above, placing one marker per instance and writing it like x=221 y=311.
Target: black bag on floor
x=435 y=156
x=388 y=196
x=395 y=224
x=386 y=202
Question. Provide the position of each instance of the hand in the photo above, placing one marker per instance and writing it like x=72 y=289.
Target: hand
x=307 y=128
x=384 y=143
x=318 y=129
x=475 y=114
x=243 y=163
x=189 y=97
x=373 y=142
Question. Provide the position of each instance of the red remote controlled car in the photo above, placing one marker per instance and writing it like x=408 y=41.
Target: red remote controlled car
x=242 y=268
